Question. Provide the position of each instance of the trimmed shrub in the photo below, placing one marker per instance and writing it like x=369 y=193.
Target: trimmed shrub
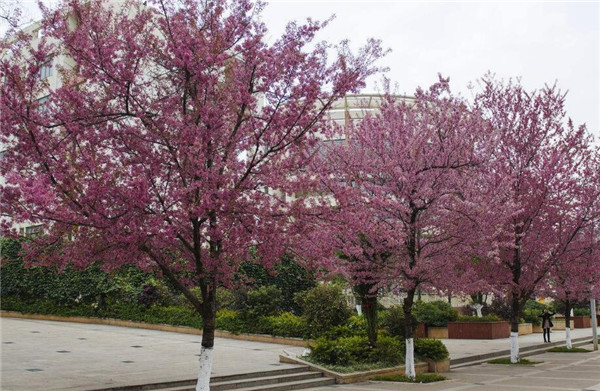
x=324 y=307
x=287 y=325
x=355 y=326
x=581 y=311
x=356 y=350
x=475 y=319
x=430 y=349
x=436 y=313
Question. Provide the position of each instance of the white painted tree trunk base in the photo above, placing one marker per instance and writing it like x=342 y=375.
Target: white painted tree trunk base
x=359 y=309
x=514 y=347
x=568 y=338
x=206 y=359
x=409 y=362
x=478 y=308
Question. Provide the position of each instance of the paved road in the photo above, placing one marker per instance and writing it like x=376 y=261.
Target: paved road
x=43 y=355
x=559 y=371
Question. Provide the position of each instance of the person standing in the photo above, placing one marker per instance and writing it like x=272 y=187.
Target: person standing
x=547 y=324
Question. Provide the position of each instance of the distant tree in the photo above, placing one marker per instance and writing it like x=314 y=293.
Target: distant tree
x=572 y=279
x=546 y=177
x=170 y=142
x=395 y=199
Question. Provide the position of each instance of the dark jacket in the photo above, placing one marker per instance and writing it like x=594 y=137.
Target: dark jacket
x=546 y=317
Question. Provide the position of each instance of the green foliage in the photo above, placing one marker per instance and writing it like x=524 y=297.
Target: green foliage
x=176 y=316
x=419 y=378
x=393 y=322
x=10 y=248
x=522 y=361
x=355 y=326
x=324 y=307
x=475 y=319
x=288 y=276
x=564 y=349
x=230 y=320
x=557 y=307
x=533 y=310
x=226 y=298
x=356 y=350
x=90 y=285
x=430 y=349
x=436 y=313
x=287 y=325
x=264 y=301
x=581 y=311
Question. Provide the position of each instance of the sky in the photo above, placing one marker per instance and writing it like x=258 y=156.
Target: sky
x=539 y=42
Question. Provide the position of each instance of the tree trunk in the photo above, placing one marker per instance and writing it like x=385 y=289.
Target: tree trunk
x=369 y=307
x=568 y=324
x=409 y=319
x=209 y=309
x=514 y=329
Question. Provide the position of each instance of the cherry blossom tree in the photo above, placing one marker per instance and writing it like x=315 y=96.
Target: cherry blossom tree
x=573 y=277
x=171 y=138
x=543 y=170
x=394 y=198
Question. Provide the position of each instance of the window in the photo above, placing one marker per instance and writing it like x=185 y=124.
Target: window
x=42 y=104
x=32 y=231
x=46 y=68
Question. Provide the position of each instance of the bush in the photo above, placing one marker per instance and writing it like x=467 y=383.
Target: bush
x=430 y=349
x=324 y=307
x=264 y=301
x=288 y=276
x=356 y=326
x=392 y=321
x=532 y=315
x=286 y=325
x=356 y=350
x=230 y=320
x=436 y=313
x=581 y=311
x=475 y=319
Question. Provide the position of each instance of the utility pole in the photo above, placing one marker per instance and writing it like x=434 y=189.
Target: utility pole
x=594 y=323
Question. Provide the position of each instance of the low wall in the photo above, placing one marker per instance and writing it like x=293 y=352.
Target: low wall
x=525 y=328
x=582 y=322
x=478 y=330
x=559 y=324
x=159 y=327
x=437 y=332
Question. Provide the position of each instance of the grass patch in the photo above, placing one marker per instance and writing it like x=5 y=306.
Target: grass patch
x=563 y=349
x=506 y=360
x=420 y=378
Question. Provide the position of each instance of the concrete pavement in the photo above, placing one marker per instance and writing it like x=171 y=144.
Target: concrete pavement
x=73 y=356
x=44 y=355
x=557 y=372
x=460 y=348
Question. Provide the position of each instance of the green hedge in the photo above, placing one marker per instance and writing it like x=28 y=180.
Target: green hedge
x=171 y=315
x=348 y=351
x=475 y=319
x=435 y=313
